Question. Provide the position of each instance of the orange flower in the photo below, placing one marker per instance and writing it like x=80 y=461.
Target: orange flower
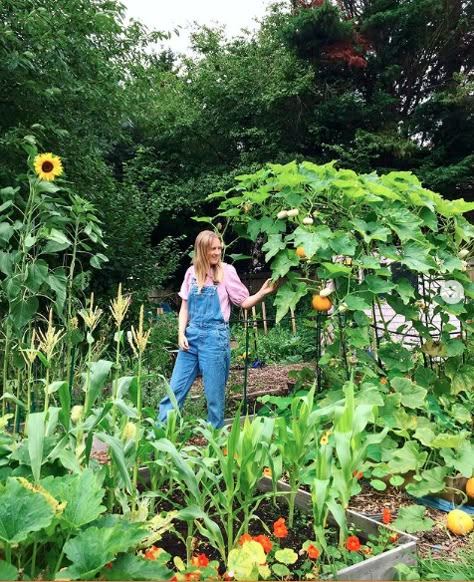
x=193 y=575
x=152 y=553
x=357 y=474
x=367 y=551
x=313 y=552
x=244 y=538
x=279 y=528
x=265 y=542
x=383 y=380
x=109 y=566
x=386 y=516
x=353 y=544
x=267 y=472
x=393 y=538
x=200 y=560
x=224 y=451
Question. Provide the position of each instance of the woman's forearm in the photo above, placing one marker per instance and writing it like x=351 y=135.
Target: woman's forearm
x=183 y=317
x=252 y=300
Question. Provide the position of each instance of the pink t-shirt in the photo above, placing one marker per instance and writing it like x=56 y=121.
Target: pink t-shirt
x=230 y=289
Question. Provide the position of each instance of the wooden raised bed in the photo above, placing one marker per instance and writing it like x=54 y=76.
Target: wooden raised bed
x=380 y=567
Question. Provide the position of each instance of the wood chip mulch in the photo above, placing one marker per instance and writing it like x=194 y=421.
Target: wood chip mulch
x=437 y=542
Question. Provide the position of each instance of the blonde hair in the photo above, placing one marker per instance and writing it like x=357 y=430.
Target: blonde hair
x=202 y=266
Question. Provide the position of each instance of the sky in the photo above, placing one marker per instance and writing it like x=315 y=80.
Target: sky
x=166 y=15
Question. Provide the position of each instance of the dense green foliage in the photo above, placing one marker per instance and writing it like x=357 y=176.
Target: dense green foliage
x=376 y=84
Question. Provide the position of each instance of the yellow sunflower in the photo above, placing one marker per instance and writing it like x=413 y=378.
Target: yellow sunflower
x=48 y=166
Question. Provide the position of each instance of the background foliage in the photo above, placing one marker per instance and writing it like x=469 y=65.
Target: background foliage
x=376 y=84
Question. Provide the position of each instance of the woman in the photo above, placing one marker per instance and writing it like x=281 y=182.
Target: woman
x=208 y=290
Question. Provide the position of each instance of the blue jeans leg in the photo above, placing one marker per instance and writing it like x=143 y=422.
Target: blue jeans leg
x=214 y=361
x=185 y=370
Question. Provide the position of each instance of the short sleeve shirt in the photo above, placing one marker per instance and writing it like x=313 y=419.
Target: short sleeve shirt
x=230 y=290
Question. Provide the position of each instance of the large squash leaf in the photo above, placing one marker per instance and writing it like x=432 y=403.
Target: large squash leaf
x=22 y=512
x=94 y=547
x=131 y=567
x=82 y=495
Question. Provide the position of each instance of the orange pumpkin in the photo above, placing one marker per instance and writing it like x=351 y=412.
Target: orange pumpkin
x=321 y=303
x=459 y=522
x=300 y=252
x=470 y=487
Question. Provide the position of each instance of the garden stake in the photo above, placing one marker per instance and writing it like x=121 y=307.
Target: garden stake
x=340 y=320
x=377 y=339
x=318 y=351
x=246 y=367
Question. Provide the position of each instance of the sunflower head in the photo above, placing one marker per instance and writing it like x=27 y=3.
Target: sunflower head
x=48 y=166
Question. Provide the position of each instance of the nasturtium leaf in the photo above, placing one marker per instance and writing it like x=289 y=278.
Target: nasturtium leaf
x=378 y=484
x=412 y=519
x=22 y=512
x=281 y=570
x=396 y=480
x=286 y=556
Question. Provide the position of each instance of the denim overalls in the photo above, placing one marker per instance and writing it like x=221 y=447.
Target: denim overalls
x=209 y=353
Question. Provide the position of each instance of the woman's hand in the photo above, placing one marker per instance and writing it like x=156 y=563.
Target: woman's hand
x=268 y=287
x=183 y=342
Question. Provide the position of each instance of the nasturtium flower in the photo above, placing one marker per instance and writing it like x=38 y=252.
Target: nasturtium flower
x=313 y=552
x=264 y=541
x=48 y=166
x=200 y=560
x=386 y=516
x=152 y=553
x=353 y=544
x=267 y=472
x=357 y=474
x=279 y=528
x=244 y=538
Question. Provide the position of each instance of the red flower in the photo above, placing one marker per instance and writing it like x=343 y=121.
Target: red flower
x=244 y=538
x=265 y=542
x=393 y=538
x=152 y=553
x=386 y=516
x=357 y=474
x=107 y=566
x=200 y=560
x=353 y=544
x=383 y=380
x=313 y=552
x=279 y=528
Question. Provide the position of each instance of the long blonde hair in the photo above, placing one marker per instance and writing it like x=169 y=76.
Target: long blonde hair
x=202 y=266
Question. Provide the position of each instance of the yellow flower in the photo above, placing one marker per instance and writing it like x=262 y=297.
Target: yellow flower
x=325 y=438
x=48 y=166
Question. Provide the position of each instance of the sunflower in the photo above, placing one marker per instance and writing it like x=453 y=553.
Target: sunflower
x=48 y=166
